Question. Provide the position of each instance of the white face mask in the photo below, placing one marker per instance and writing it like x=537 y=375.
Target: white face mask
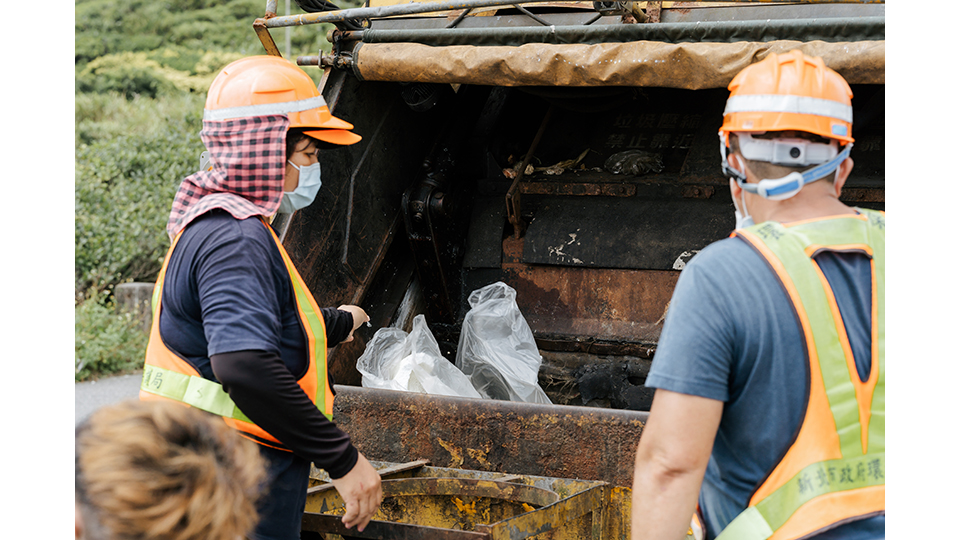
x=306 y=191
x=744 y=219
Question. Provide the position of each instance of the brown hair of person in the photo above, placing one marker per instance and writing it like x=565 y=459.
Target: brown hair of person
x=164 y=471
x=294 y=136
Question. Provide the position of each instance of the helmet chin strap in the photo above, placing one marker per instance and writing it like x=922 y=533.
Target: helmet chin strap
x=782 y=188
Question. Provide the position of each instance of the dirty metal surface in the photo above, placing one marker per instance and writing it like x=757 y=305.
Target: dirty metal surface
x=492 y=489
x=342 y=241
x=328 y=523
x=563 y=518
x=605 y=303
x=623 y=232
x=489 y=435
x=596 y=310
x=320 y=480
x=498 y=506
x=482 y=249
x=437 y=206
x=687 y=12
x=269 y=45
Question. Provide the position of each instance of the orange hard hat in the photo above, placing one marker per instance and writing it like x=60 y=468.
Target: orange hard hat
x=787 y=92
x=261 y=85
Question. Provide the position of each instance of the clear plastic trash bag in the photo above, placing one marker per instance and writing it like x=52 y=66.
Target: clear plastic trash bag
x=395 y=360
x=497 y=350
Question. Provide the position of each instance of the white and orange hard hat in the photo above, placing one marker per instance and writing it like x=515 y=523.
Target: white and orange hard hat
x=784 y=94
x=790 y=92
x=262 y=85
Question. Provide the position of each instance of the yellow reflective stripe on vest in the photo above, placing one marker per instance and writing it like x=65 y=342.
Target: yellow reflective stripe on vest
x=760 y=521
x=790 y=248
x=320 y=343
x=862 y=466
x=871 y=235
x=312 y=318
x=195 y=391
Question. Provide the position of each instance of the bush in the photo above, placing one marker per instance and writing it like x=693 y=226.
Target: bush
x=141 y=74
x=130 y=74
x=125 y=183
x=111 y=116
x=106 y=342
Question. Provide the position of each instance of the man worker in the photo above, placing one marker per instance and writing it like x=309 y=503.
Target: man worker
x=768 y=416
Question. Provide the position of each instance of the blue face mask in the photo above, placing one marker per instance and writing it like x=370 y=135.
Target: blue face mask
x=306 y=190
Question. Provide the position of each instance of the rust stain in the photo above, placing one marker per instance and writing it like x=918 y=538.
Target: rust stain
x=470 y=509
x=480 y=456
x=455 y=455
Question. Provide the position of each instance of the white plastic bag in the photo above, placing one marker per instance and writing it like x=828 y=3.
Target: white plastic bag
x=497 y=350
x=395 y=360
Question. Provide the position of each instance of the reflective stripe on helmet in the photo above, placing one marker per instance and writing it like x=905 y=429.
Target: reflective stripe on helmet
x=789 y=104
x=264 y=109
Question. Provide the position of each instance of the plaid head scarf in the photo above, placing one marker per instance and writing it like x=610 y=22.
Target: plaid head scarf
x=248 y=157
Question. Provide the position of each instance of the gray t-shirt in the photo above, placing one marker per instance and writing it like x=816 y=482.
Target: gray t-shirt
x=731 y=335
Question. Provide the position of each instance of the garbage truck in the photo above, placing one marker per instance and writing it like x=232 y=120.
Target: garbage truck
x=568 y=150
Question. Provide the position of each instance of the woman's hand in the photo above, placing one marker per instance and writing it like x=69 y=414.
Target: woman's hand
x=359 y=318
x=361 y=492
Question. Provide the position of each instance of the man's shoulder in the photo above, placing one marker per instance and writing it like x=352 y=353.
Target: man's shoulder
x=727 y=247
x=724 y=256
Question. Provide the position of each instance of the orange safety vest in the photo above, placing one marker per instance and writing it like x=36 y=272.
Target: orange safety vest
x=167 y=375
x=833 y=472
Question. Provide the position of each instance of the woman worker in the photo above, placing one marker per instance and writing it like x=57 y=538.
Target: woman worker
x=235 y=330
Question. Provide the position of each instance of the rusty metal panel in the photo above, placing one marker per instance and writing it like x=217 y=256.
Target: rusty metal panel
x=627 y=233
x=593 y=310
x=330 y=523
x=554 y=518
x=482 y=245
x=490 y=435
x=615 y=304
x=438 y=502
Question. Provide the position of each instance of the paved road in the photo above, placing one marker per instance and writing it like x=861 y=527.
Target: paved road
x=90 y=396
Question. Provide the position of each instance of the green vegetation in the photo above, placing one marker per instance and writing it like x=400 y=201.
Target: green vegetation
x=105 y=341
x=142 y=69
x=126 y=181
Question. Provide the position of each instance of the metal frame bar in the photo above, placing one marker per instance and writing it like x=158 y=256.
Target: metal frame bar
x=262 y=25
x=513 y=194
x=528 y=13
x=418 y=8
x=713 y=31
x=459 y=18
